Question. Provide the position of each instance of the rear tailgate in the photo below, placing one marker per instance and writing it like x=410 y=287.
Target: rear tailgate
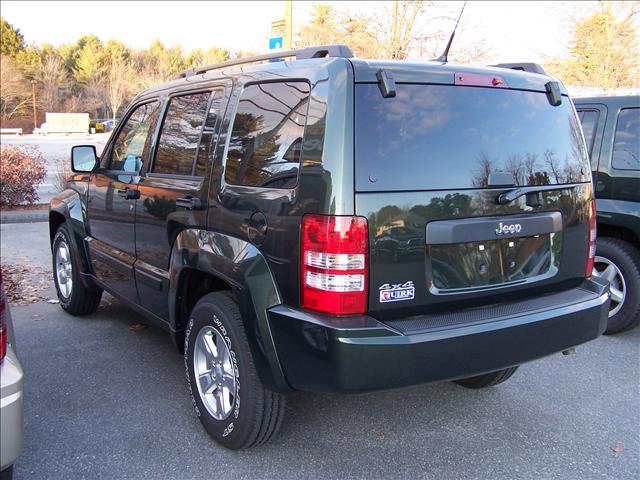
x=431 y=163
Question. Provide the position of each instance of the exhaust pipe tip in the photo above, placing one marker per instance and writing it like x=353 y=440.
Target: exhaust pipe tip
x=569 y=351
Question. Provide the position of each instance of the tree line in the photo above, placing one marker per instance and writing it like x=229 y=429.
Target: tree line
x=86 y=76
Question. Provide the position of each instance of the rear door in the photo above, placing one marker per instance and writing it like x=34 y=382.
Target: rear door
x=431 y=164
x=113 y=193
x=255 y=200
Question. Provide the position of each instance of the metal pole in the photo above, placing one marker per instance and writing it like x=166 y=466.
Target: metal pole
x=33 y=90
x=288 y=30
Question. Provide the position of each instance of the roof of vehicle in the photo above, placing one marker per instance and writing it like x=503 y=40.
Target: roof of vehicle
x=364 y=70
x=612 y=100
x=437 y=72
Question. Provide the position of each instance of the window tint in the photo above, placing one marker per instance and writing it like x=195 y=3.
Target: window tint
x=176 y=153
x=448 y=137
x=589 y=120
x=626 y=146
x=266 y=139
x=132 y=145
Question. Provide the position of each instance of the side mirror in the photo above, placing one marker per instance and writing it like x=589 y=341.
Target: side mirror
x=83 y=158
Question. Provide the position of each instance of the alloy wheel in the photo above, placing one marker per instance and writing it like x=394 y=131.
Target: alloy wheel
x=605 y=268
x=214 y=371
x=64 y=269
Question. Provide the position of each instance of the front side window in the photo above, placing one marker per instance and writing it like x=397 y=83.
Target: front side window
x=626 y=145
x=266 y=139
x=133 y=143
x=180 y=135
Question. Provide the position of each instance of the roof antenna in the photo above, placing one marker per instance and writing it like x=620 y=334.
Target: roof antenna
x=444 y=57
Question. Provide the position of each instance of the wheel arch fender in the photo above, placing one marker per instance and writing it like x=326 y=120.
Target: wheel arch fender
x=67 y=207
x=241 y=266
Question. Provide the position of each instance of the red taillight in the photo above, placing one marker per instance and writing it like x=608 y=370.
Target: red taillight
x=591 y=241
x=334 y=261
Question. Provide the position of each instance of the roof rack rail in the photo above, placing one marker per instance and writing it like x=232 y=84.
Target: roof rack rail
x=301 y=54
x=523 y=67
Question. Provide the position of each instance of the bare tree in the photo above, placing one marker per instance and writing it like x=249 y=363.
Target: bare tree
x=330 y=25
x=15 y=91
x=551 y=162
x=486 y=166
x=118 y=84
x=477 y=52
x=55 y=83
x=398 y=36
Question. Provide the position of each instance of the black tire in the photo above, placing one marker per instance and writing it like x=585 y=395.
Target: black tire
x=82 y=300
x=257 y=412
x=488 y=379
x=627 y=259
x=7 y=473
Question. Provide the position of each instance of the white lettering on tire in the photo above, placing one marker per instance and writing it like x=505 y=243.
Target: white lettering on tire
x=186 y=366
x=228 y=430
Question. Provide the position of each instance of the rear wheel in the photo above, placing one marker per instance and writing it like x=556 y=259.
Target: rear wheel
x=229 y=398
x=75 y=297
x=618 y=262
x=488 y=379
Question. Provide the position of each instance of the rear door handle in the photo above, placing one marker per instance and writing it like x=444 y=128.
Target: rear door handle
x=129 y=193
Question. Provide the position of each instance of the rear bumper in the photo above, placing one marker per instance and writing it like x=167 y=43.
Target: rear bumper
x=320 y=353
x=11 y=378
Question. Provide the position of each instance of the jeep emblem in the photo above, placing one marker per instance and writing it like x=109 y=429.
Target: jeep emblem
x=508 y=228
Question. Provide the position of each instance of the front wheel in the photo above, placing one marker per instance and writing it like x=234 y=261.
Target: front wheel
x=488 y=379
x=75 y=298
x=229 y=398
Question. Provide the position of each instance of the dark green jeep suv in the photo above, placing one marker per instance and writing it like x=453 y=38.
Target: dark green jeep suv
x=611 y=128
x=311 y=221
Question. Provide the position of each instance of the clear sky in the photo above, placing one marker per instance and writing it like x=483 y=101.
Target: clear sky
x=514 y=31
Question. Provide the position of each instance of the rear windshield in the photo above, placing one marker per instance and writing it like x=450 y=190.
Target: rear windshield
x=451 y=137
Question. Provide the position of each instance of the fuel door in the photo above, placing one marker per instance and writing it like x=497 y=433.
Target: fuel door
x=257 y=230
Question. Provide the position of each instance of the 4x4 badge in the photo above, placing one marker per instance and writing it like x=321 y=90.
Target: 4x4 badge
x=397 y=292
x=508 y=228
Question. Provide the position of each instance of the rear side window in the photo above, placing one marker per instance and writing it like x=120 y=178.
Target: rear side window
x=589 y=121
x=437 y=137
x=626 y=146
x=266 y=139
x=180 y=135
x=208 y=137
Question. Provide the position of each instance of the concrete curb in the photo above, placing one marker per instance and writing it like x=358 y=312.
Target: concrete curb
x=23 y=216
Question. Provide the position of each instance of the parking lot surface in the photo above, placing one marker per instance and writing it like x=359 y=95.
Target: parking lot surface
x=106 y=401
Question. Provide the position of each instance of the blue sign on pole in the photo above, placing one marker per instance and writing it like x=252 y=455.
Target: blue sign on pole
x=275 y=43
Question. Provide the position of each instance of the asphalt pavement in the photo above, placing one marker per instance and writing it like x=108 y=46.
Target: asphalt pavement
x=104 y=401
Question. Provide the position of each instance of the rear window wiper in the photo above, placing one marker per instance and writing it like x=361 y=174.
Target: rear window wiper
x=511 y=195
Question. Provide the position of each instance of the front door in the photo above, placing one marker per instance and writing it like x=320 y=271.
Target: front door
x=113 y=193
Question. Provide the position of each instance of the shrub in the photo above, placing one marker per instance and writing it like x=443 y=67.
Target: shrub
x=22 y=169
x=62 y=174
